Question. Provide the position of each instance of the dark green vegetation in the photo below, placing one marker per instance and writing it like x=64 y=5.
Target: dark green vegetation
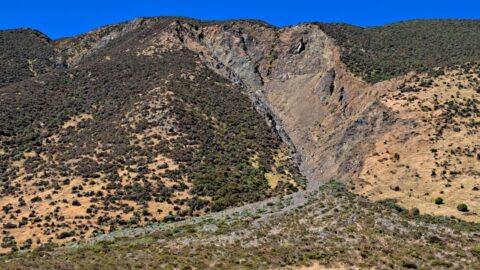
x=216 y=159
x=142 y=110
x=439 y=200
x=23 y=54
x=380 y=53
x=135 y=130
x=462 y=207
x=332 y=226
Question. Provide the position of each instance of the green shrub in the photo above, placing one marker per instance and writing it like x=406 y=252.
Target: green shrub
x=462 y=207
x=64 y=235
x=439 y=200
x=415 y=211
x=476 y=250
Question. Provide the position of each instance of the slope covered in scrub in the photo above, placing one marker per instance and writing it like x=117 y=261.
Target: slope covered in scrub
x=129 y=137
x=24 y=53
x=384 y=52
x=330 y=227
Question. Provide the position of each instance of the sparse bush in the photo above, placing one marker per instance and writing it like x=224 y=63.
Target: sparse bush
x=9 y=226
x=476 y=250
x=36 y=199
x=462 y=207
x=67 y=234
x=76 y=203
x=439 y=200
x=414 y=211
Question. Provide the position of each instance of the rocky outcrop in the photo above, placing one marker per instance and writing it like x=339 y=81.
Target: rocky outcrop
x=71 y=51
x=295 y=78
x=293 y=75
x=326 y=85
x=238 y=56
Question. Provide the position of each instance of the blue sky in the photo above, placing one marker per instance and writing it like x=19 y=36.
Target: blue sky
x=69 y=17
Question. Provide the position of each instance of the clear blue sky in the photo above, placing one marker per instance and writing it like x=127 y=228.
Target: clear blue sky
x=70 y=17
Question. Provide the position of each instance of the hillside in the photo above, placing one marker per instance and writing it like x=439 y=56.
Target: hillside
x=384 y=52
x=164 y=120
x=433 y=150
x=328 y=228
x=126 y=139
x=24 y=53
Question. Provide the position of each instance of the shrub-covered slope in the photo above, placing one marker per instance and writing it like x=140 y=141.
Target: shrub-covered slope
x=24 y=53
x=329 y=227
x=126 y=138
x=140 y=128
x=383 y=52
x=432 y=150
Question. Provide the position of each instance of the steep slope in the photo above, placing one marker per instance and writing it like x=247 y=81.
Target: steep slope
x=432 y=150
x=385 y=52
x=24 y=53
x=297 y=80
x=127 y=137
x=334 y=120
x=152 y=120
x=71 y=51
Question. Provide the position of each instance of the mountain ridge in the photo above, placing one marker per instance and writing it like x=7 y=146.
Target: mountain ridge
x=145 y=84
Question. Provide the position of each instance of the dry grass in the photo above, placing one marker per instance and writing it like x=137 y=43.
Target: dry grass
x=74 y=121
x=326 y=229
x=415 y=162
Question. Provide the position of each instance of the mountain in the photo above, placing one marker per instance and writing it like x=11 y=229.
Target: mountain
x=161 y=119
x=126 y=137
x=25 y=53
x=380 y=53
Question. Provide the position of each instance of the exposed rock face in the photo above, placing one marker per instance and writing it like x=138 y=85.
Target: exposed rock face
x=71 y=51
x=324 y=88
x=293 y=76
